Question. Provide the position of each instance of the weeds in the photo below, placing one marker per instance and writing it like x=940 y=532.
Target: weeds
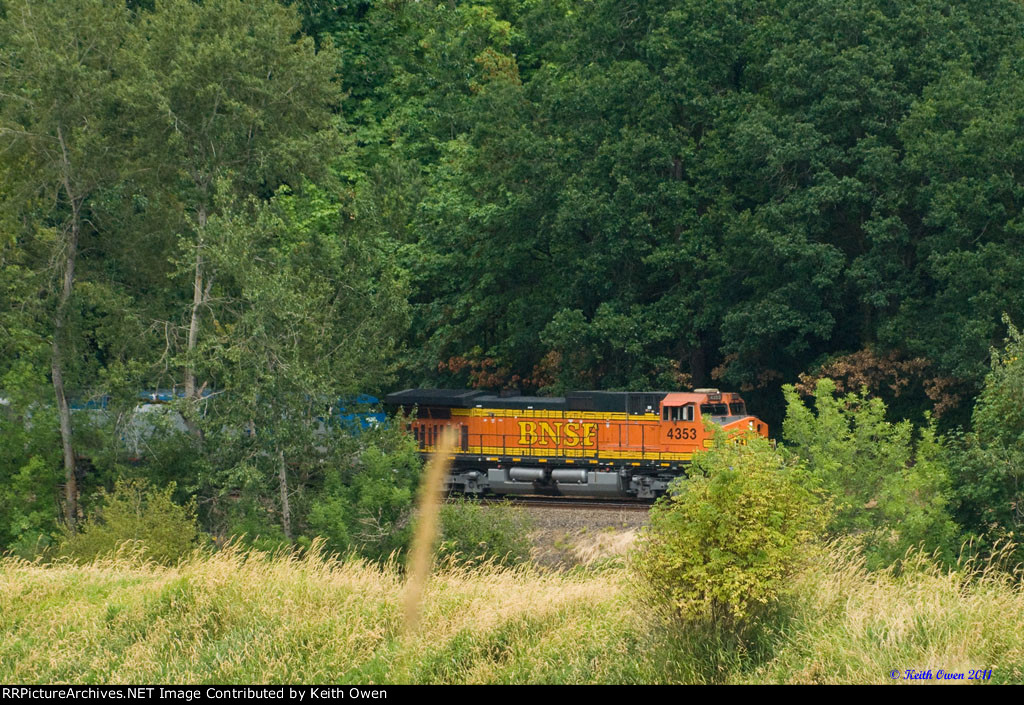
x=240 y=616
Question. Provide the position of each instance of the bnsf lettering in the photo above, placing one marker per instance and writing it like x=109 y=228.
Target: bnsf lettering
x=557 y=433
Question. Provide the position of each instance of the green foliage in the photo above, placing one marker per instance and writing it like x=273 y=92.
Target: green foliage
x=472 y=533
x=309 y=307
x=309 y=313
x=735 y=191
x=890 y=492
x=999 y=412
x=989 y=460
x=722 y=545
x=27 y=497
x=63 y=144
x=161 y=530
x=289 y=202
x=248 y=521
x=366 y=503
x=29 y=460
x=233 y=92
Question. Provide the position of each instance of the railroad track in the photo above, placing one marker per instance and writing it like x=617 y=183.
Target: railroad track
x=566 y=503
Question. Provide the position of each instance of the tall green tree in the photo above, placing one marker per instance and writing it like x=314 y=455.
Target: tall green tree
x=62 y=140
x=236 y=99
x=308 y=314
x=682 y=192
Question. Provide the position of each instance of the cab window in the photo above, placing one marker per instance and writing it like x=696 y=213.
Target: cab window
x=678 y=413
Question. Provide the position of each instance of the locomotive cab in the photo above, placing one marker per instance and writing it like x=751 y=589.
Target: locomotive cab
x=683 y=415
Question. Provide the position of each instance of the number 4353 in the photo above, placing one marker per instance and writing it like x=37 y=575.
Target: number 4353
x=680 y=434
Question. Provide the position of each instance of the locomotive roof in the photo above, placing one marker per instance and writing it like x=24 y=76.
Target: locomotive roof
x=630 y=402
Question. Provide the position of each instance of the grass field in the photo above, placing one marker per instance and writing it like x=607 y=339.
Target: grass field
x=228 y=618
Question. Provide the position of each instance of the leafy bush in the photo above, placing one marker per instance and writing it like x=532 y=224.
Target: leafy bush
x=989 y=461
x=998 y=417
x=722 y=544
x=472 y=533
x=248 y=520
x=365 y=507
x=136 y=512
x=888 y=491
x=30 y=461
x=989 y=494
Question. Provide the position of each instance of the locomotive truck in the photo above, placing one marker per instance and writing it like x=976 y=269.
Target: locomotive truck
x=591 y=444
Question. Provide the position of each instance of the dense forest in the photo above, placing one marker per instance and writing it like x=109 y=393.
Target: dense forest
x=269 y=207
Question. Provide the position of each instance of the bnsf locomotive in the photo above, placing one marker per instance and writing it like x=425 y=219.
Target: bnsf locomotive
x=612 y=444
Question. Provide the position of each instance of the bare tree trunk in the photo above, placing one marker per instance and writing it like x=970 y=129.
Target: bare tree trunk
x=698 y=365
x=70 y=481
x=56 y=363
x=286 y=507
x=200 y=293
x=193 y=326
x=198 y=299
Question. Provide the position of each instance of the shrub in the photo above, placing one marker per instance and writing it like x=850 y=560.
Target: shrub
x=888 y=491
x=998 y=417
x=136 y=512
x=989 y=460
x=722 y=544
x=472 y=533
x=30 y=463
x=365 y=506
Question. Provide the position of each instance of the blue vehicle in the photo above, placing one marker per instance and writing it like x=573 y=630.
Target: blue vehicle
x=359 y=420
x=351 y=414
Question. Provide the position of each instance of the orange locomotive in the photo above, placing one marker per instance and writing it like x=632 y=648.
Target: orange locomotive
x=623 y=444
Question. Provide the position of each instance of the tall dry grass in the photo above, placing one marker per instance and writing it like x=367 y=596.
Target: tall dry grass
x=421 y=553
x=237 y=617
x=858 y=626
